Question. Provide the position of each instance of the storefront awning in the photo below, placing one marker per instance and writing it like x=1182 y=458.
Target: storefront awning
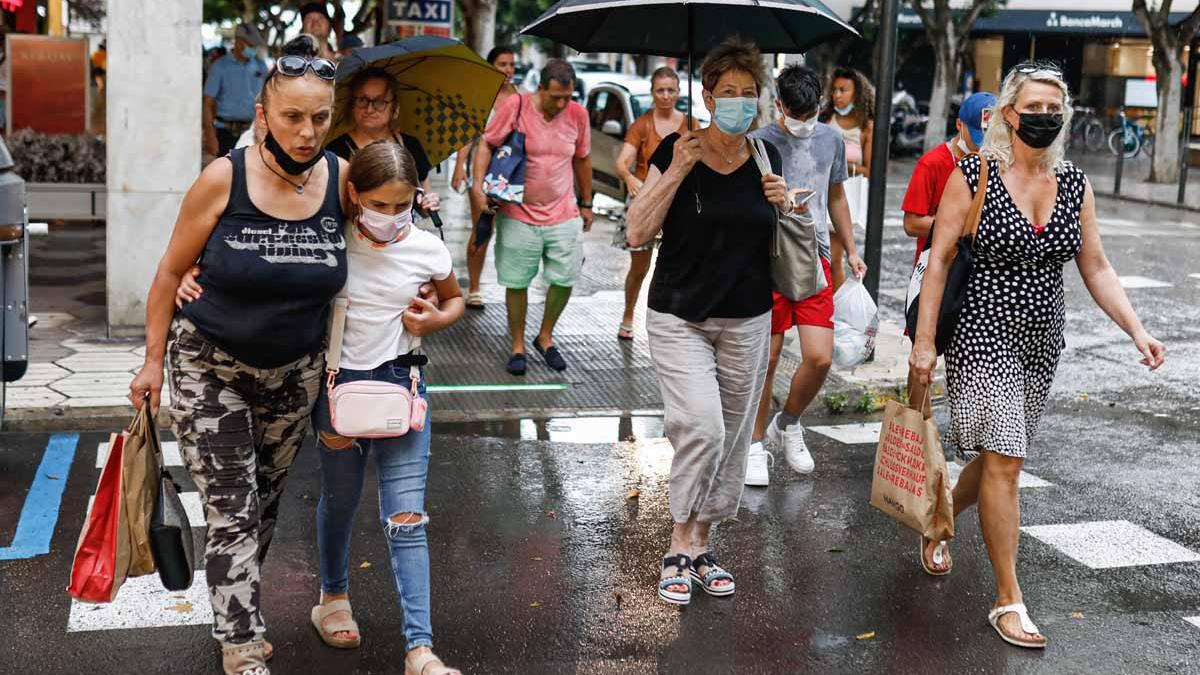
x=1092 y=23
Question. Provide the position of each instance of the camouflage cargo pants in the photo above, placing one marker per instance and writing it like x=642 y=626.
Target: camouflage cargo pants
x=239 y=430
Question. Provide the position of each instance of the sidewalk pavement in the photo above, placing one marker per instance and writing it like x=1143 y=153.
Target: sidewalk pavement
x=1101 y=170
x=79 y=378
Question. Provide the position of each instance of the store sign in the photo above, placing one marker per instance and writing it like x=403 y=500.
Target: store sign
x=406 y=18
x=1058 y=21
x=47 y=84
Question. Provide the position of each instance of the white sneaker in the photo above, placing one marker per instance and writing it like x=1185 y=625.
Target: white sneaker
x=756 y=465
x=795 y=451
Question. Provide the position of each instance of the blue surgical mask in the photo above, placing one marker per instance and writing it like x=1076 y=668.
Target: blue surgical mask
x=844 y=111
x=734 y=115
x=249 y=52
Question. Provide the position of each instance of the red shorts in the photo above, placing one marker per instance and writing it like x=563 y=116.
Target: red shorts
x=812 y=311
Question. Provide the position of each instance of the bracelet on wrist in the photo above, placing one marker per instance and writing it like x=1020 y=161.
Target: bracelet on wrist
x=583 y=205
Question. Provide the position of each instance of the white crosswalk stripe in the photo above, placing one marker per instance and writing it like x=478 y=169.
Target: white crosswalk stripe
x=1111 y=543
x=1143 y=282
x=143 y=603
x=1025 y=480
x=170 y=449
x=1194 y=620
x=851 y=434
x=191 y=505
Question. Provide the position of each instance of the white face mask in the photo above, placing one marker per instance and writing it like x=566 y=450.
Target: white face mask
x=962 y=145
x=383 y=227
x=800 y=129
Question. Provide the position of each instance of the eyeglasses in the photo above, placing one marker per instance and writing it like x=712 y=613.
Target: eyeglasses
x=378 y=104
x=295 y=66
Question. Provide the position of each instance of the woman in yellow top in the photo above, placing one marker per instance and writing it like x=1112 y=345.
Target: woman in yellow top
x=848 y=107
x=641 y=141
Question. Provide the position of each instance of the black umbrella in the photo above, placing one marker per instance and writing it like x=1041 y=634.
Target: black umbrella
x=684 y=28
x=687 y=28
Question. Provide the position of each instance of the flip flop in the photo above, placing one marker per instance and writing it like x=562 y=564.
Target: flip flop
x=940 y=553
x=475 y=300
x=1027 y=625
x=625 y=332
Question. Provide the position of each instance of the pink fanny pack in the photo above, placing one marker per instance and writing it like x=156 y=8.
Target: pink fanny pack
x=370 y=408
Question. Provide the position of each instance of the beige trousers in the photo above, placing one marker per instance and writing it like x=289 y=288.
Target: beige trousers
x=711 y=375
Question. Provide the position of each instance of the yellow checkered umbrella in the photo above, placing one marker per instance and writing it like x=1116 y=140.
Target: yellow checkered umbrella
x=444 y=95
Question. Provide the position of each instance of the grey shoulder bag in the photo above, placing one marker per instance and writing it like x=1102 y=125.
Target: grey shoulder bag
x=796 y=270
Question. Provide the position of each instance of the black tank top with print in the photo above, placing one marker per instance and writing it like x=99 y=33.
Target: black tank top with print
x=268 y=282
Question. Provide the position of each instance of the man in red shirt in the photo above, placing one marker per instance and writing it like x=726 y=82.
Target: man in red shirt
x=934 y=168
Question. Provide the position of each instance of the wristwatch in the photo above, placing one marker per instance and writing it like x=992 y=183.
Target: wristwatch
x=583 y=205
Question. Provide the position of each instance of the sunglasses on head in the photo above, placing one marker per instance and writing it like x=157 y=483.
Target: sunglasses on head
x=1029 y=68
x=295 y=66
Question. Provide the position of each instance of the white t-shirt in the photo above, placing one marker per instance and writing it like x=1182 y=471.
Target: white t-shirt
x=384 y=278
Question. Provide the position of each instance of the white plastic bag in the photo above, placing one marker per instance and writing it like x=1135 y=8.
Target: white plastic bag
x=857 y=190
x=855 y=323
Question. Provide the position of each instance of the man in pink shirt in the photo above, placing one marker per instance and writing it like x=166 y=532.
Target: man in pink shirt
x=547 y=227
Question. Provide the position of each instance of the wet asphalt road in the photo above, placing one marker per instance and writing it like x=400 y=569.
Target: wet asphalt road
x=543 y=564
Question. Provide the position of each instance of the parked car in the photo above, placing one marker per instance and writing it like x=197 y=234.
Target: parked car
x=14 y=276
x=612 y=107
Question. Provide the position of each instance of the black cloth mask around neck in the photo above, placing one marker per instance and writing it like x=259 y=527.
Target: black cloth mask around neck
x=289 y=165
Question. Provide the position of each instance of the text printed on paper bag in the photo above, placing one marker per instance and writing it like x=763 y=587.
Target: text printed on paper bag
x=902 y=462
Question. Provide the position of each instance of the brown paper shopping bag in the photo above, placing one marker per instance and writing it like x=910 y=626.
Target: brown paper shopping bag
x=911 y=483
x=140 y=482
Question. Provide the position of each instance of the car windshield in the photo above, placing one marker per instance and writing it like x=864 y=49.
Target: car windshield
x=644 y=103
x=591 y=67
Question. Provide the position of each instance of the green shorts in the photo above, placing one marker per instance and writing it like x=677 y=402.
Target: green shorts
x=521 y=247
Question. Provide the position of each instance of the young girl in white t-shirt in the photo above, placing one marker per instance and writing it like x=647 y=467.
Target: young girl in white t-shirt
x=389 y=261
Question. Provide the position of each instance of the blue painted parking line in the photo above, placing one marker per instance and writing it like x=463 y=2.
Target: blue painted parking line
x=40 y=513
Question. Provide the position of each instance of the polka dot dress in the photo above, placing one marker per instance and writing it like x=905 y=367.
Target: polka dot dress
x=1002 y=359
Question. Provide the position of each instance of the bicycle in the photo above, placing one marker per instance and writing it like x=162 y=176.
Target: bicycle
x=1130 y=139
x=1086 y=128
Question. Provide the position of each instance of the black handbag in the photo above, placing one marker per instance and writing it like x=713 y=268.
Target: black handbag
x=170 y=532
x=958 y=276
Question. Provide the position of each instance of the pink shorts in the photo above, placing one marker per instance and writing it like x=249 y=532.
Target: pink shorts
x=816 y=310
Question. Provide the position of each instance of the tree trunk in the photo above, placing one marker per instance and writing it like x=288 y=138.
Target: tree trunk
x=479 y=22
x=945 y=81
x=1165 y=165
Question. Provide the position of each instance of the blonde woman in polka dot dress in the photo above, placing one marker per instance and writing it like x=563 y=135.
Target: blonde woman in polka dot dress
x=1039 y=213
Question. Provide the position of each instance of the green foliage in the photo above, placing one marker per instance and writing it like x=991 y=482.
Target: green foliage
x=513 y=15
x=865 y=403
x=837 y=402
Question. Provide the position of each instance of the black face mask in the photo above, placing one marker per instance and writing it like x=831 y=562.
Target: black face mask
x=1039 y=130
x=289 y=165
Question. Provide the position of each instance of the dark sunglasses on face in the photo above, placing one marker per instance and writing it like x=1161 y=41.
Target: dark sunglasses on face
x=295 y=66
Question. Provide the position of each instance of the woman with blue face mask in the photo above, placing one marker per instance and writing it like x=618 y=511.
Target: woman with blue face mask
x=709 y=307
x=848 y=106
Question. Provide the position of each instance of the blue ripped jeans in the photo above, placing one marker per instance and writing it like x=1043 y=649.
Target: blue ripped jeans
x=403 y=464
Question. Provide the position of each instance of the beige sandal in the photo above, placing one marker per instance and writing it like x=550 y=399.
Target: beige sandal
x=244 y=659
x=328 y=631
x=418 y=665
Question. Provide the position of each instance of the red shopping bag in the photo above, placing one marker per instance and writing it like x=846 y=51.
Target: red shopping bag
x=103 y=553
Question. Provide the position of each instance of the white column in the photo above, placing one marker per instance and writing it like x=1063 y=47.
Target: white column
x=153 y=139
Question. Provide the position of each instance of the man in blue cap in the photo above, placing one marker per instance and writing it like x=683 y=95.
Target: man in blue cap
x=934 y=168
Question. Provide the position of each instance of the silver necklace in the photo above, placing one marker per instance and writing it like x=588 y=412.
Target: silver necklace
x=299 y=186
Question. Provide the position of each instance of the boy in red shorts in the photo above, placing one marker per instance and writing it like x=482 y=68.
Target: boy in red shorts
x=814 y=159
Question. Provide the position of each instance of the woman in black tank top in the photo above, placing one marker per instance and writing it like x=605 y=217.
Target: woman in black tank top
x=246 y=358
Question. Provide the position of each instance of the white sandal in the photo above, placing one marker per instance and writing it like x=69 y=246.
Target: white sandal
x=418 y=665
x=1027 y=625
